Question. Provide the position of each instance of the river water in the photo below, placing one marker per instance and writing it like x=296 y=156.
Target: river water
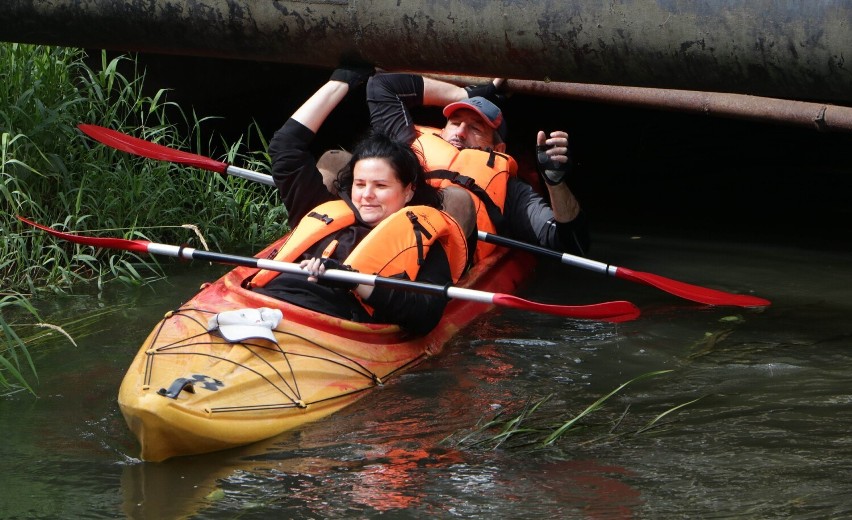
x=768 y=437
x=765 y=430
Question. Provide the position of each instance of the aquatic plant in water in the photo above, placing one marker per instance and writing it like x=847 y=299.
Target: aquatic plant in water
x=14 y=356
x=530 y=430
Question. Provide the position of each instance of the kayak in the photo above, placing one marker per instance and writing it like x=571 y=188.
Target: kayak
x=194 y=387
x=189 y=390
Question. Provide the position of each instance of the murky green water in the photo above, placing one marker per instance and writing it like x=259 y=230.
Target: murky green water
x=768 y=438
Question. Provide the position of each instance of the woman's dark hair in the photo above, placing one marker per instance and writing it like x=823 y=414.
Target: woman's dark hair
x=402 y=159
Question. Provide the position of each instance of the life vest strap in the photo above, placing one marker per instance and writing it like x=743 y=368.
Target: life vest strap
x=469 y=183
x=321 y=216
x=419 y=232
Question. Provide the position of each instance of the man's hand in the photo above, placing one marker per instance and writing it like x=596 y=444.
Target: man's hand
x=554 y=159
x=490 y=91
x=352 y=76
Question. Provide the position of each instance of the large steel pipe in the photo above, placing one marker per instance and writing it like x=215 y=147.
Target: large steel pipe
x=816 y=116
x=793 y=50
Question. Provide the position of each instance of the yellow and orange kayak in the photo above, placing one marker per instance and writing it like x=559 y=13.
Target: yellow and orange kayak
x=191 y=391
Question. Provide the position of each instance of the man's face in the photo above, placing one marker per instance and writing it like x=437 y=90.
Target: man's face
x=466 y=129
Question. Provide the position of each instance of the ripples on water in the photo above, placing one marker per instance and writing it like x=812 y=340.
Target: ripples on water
x=769 y=436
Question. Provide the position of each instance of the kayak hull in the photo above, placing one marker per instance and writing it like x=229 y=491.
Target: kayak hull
x=190 y=391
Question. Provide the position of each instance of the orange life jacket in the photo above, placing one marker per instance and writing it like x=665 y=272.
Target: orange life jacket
x=396 y=247
x=484 y=173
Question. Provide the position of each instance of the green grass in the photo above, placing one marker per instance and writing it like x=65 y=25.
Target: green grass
x=54 y=174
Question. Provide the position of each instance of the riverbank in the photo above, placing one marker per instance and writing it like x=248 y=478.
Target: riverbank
x=53 y=174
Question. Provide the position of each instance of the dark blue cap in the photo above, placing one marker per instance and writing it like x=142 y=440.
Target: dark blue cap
x=488 y=111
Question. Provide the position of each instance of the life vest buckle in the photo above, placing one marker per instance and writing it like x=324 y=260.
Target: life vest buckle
x=468 y=183
x=321 y=216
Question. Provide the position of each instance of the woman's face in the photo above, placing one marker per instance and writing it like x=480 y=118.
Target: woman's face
x=377 y=192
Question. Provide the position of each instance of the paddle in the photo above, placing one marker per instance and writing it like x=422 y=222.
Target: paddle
x=615 y=311
x=137 y=146
x=684 y=290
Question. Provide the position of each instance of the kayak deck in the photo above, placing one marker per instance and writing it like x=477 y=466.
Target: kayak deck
x=190 y=391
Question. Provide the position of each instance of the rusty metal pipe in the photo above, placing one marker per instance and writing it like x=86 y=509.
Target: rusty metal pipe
x=816 y=116
x=794 y=50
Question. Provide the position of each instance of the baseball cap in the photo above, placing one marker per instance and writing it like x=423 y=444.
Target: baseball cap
x=242 y=324
x=488 y=111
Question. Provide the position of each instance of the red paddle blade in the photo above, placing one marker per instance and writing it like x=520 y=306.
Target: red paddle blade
x=616 y=311
x=143 y=148
x=691 y=292
x=139 y=246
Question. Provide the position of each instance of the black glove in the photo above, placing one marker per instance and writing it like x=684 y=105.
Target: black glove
x=488 y=91
x=353 y=76
x=553 y=172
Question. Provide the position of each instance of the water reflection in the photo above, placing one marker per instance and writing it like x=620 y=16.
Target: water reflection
x=769 y=436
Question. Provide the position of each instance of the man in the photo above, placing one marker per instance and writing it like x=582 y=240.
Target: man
x=476 y=123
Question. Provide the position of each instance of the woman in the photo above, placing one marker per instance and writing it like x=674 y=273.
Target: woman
x=382 y=177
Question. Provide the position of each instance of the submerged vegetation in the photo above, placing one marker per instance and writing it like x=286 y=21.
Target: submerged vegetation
x=52 y=173
x=14 y=357
x=533 y=428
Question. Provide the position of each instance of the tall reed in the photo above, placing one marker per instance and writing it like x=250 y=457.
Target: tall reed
x=54 y=174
